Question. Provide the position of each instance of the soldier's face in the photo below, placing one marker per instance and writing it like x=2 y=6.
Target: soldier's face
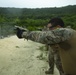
x=49 y=25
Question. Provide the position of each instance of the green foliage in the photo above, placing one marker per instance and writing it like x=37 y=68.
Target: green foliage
x=70 y=20
x=37 y=18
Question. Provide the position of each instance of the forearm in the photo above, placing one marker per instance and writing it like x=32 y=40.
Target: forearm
x=37 y=36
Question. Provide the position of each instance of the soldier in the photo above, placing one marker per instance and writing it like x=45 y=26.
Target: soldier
x=62 y=40
x=54 y=57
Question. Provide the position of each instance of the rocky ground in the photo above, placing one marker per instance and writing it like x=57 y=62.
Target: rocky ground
x=19 y=57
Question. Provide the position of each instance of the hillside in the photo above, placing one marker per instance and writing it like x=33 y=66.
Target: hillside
x=36 y=18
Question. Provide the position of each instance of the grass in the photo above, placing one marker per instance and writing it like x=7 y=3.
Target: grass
x=43 y=55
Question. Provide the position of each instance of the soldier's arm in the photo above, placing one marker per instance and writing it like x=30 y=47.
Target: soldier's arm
x=49 y=37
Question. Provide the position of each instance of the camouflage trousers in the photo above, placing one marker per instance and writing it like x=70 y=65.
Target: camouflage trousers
x=54 y=58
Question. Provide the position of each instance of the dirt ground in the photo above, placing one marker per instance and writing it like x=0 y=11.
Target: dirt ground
x=19 y=57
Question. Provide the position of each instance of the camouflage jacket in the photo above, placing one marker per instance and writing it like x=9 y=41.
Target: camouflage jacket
x=49 y=37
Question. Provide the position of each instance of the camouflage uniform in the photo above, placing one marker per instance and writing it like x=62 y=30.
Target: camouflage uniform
x=53 y=57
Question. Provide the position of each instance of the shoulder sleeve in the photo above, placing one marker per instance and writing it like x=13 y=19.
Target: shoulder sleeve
x=62 y=34
x=50 y=37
